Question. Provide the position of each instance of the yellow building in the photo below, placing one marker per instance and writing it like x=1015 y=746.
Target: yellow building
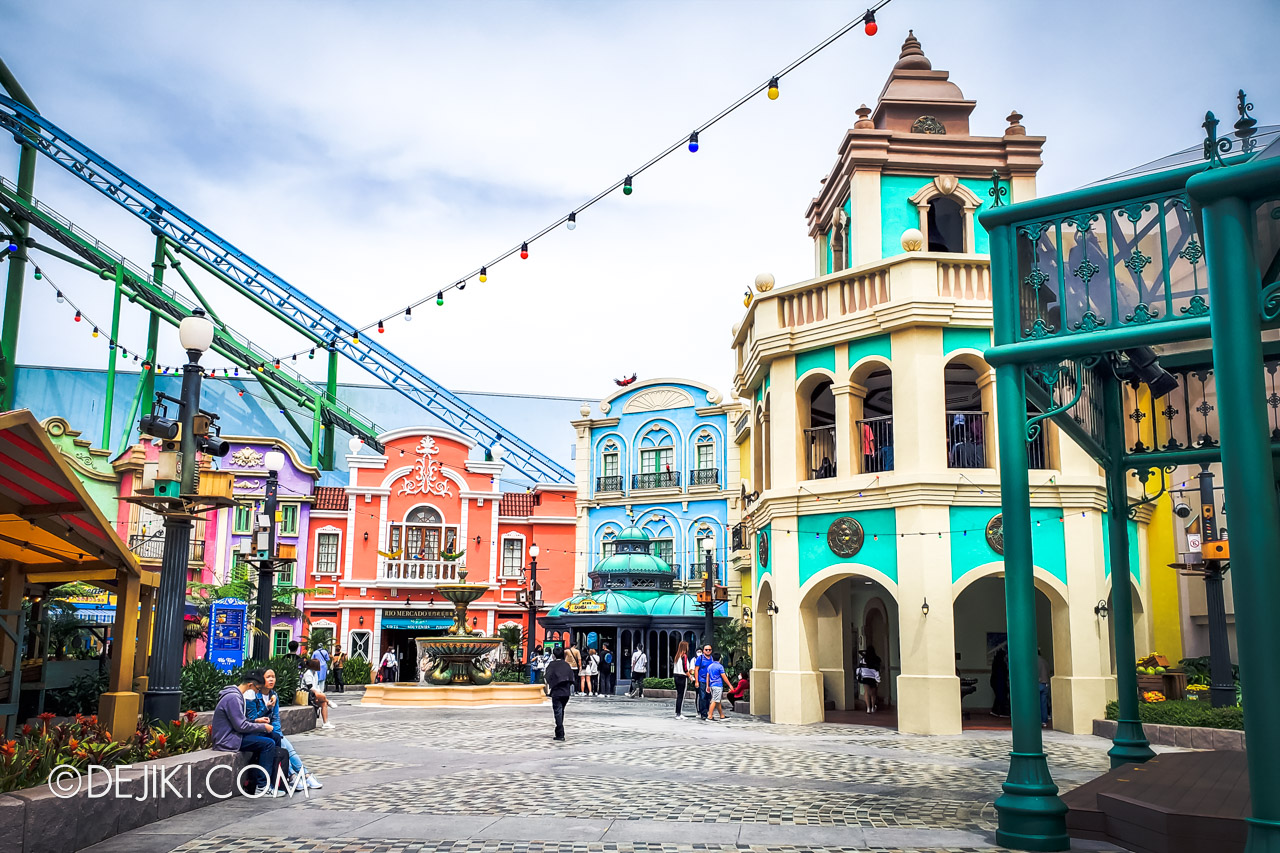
x=871 y=441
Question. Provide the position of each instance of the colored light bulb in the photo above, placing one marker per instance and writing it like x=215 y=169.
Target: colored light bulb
x=277 y=364
x=408 y=314
x=77 y=316
x=626 y=186
x=693 y=142
x=355 y=336
x=871 y=28
x=61 y=298
x=39 y=275
x=524 y=251
x=95 y=331
x=311 y=355
x=440 y=298
x=380 y=328
x=484 y=274
x=573 y=221
x=462 y=285
x=773 y=88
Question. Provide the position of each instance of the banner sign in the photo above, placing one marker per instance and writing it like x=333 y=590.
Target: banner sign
x=228 y=620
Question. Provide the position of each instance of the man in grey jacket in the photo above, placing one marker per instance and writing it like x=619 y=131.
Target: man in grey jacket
x=234 y=732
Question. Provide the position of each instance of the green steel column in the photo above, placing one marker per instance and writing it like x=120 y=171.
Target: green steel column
x=153 y=331
x=13 y=290
x=316 y=418
x=1249 y=481
x=1130 y=742
x=1031 y=816
x=113 y=344
x=331 y=395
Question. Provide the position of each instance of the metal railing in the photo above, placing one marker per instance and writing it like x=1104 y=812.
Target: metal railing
x=609 y=484
x=821 y=444
x=966 y=440
x=656 y=480
x=875 y=443
x=418 y=571
x=1038 y=452
x=151 y=547
x=704 y=477
x=738 y=536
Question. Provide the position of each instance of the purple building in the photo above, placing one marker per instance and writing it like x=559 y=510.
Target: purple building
x=247 y=461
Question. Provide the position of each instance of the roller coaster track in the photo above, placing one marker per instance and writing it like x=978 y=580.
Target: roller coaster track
x=271 y=292
x=162 y=301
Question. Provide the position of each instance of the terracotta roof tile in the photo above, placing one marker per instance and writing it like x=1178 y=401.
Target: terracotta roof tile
x=330 y=498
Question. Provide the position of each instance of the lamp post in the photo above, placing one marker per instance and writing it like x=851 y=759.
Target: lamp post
x=274 y=462
x=709 y=548
x=1222 y=690
x=532 y=602
x=163 y=698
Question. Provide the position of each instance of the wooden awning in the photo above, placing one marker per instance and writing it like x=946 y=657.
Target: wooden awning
x=49 y=526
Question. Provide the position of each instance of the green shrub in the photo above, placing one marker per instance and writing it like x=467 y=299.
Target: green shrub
x=287 y=678
x=1184 y=712
x=80 y=697
x=357 y=671
x=201 y=681
x=660 y=684
x=510 y=676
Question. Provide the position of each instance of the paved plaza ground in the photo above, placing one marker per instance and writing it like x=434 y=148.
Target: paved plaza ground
x=630 y=779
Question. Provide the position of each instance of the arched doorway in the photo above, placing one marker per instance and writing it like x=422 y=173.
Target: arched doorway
x=946 y=225
x=816 y=406
x=872 y=385
x=761 y=650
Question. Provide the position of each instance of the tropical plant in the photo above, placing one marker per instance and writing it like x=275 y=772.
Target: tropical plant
x=660 y=684
x=201 y=681
x=733 y=641
x=357 y=671
x=512 y=640
x=1184 y=712
x=288 y=679
x=80 y=697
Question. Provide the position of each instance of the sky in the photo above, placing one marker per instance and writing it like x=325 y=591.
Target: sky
x=371 y=152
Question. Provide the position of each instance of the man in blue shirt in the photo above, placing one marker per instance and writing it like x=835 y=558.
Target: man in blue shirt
x=701 y=664
x=717 y=680
x=321 y=655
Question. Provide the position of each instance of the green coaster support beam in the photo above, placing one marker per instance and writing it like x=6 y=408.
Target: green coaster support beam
x=304 y=435
x=317 y=430
x=331 y=396
x=107 y=409
x=18 y=260
x=1031 y=816
x=1130 y=743
x=1242 y=418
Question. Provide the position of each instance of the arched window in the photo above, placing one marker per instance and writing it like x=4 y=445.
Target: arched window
x=820 y=436
x=705 y=472
x=657 y=460
x=608 y=543
x=424 y=535
x=946 y=225
x=610 y=477
x=662 y=539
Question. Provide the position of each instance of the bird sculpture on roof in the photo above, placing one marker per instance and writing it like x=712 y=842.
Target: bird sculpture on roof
x=623 y=383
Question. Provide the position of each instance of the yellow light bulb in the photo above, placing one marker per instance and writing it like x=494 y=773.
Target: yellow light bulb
x=773 y=93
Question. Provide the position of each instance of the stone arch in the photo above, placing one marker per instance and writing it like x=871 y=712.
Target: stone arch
x=969 y=400
x=816 y=418
x=870 y=383
x=762 y=646
x=948 y=187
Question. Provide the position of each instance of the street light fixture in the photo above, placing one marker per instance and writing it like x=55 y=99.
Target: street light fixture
x=709 y=548
x=531 y=601
x=273 y=461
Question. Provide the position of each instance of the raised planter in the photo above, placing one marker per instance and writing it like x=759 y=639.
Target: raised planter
x=1187 y=737
x=293 y=719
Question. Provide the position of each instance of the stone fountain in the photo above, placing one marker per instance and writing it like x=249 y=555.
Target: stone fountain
x=456 y=657
x=456 y=672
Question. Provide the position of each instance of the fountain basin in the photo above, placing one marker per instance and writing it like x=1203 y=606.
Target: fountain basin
x=409 y=694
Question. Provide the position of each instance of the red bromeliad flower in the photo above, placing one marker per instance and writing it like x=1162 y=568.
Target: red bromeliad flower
x=93 y=721
x=73 y=743
x=191 y=716
x=161 y=739
x=8 y=748
x=26 y=729
x=46 y=716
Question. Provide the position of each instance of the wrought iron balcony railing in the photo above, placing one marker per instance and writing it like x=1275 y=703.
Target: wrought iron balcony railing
x=656 y=480
x=704 y=477
x=875 y=441
x=609 y=483
x=417 y=572
x=821 y=444
x=966 y=440
x=738 y=536
x=151 y=547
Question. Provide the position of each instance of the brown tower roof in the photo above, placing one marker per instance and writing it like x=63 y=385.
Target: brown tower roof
x=917 y=99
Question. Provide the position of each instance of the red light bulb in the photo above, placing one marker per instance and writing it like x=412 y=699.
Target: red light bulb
x=524 y=251
x=871 y=28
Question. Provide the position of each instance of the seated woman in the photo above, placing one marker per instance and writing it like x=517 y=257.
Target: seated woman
x=265 y=708
x=317 y=700
x=739 y=690
x=233 y=732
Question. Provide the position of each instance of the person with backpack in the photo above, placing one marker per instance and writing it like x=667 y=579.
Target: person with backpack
x=639 y=669
x=322 y=655
x=339 y=664
x=608 y=677
x=573 y=658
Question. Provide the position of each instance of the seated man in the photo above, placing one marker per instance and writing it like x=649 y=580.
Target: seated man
x=739 y=690
x=232 y=732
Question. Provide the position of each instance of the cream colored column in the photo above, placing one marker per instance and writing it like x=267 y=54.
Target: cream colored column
x=987 y=391
x=795 y=685
x=1082 y=677
x=846 y=438
x=864 y=219
x=919 y=402
x=928 y=689
x=784 y=436
x=761 y=654
x=833 y=644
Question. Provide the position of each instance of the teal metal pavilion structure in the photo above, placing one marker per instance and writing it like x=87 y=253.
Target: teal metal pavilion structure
x=1181 y=264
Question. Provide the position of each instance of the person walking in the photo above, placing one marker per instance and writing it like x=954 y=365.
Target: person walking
x=608 y=677
x=559 y=686
x=869 y=677
x=701 y=664
x=339 y=663
x=590 y=672
x=680 y=673
x=1045 y=674
x=639 y=669
x=322 y=655
x=573 y=658
x=716 y=679
x=387 y=668
x=1000 y=682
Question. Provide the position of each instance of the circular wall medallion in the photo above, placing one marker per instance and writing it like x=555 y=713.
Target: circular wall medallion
x=845 y=536
x=762 y=548
x=995 y=533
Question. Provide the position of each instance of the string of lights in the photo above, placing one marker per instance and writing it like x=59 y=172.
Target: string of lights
x=770 y=88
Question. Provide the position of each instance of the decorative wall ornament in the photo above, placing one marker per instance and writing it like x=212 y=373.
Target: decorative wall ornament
x=248 y=485
x=656 y=399
x=425 y=477
x=247 y=457
x=946 y=184
x=928 y=124
x=714 y=398
x=995 y=533
x=762 y=548
x=845 y=536
x=604 y=407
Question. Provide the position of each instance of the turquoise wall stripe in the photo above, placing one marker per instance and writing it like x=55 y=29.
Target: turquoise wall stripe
x=815 y=359
x=969 y=548
x=897 y=213
x=1135 y=567
x=879 y=550
x=961 y=338
x=879 y=345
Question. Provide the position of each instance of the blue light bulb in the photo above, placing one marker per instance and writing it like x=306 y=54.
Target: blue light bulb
x=693 y=142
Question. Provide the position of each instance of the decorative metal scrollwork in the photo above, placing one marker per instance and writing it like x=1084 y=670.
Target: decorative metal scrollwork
x=996 y=192
x=1145 y=475
x=1214 y=147
x=1246 y=125
x=1081 y=365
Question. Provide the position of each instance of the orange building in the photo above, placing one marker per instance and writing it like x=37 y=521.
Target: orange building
x=428 y=511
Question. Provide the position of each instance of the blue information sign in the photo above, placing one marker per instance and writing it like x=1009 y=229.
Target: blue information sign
x=227 y=617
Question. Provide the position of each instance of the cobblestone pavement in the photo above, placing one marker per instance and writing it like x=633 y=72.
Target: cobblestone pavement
x=630 y=779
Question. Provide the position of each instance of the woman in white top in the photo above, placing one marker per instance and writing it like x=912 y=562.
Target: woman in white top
x=387 y=668
x=310 y=683
x=590 y=673
x=680 y=671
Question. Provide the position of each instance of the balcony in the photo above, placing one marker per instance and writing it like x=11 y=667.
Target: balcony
x=966 y=440
x=609 y=484
x=656 y=480
x=875 y=437
x=821 y=444
x=417 y=573
x=738 y=537
x=151 y=547
x=704 y=477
